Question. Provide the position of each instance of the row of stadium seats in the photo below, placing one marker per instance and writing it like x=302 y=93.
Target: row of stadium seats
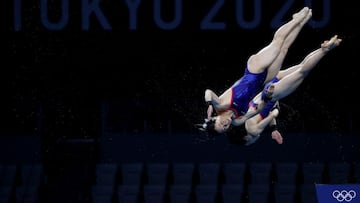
x=226 y=173
x=21 y=183
x=186 y=182
x=264 y=182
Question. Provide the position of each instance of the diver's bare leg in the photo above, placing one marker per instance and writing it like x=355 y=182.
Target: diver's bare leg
x=275 y=67
x=260 y=61
x=289 y=83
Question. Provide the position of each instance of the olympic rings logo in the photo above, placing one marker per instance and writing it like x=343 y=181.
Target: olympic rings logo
x=342 y=195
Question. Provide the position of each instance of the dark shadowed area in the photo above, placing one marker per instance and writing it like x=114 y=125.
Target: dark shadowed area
x=99 y=83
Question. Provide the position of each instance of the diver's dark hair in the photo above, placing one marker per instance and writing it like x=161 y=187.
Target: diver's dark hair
x=235 y=135
x=208 y=126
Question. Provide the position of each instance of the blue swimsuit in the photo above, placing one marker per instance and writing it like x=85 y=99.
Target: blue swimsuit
x=269 y=104
x=244 y=90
